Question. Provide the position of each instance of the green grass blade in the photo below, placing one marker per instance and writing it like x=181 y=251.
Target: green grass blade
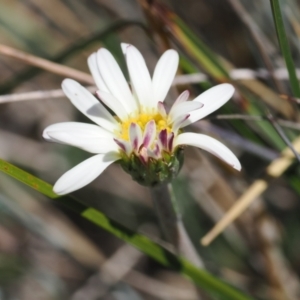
x=30 y=180
x=285 y=49
x=206 y=281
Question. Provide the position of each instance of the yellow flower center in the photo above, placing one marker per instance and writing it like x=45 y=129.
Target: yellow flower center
x=142 y=119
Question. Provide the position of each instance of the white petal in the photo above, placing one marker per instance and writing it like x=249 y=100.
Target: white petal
x=183 y=109
x=84 y=142
x=212 y=99
x=149 y=134
x=178 y=123
x=89 y=129
x=164 y=74
x=93 y=66
x=161 y=109
x=140 y=77
x=114 y=104
x=115 y=80
x=124 y=47
x=84 y=173
x=219 y=93
x=209 y=144
x=84 y=101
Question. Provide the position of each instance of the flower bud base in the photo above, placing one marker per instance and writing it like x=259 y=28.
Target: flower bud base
x=154 y=171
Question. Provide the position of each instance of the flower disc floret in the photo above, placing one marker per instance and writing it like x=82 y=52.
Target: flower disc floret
x=142 y=119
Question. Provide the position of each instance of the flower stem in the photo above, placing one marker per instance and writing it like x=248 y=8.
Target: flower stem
x=165 y=213
x=171 y=222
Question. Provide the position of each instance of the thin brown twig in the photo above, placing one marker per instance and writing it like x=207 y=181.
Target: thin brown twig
x=46 y=64
x=111 y=272
x=284 y=123
x=37 y=95
x=282 y=135
x=276 y=124
x=237 y=140
x=290 y=98
x=179 y=80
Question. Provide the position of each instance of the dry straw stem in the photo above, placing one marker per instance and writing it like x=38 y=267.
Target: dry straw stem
x=111 y=272
x=46 y=64
x=37 y=95
x=236 y=74
x=274 y=170
x=119 y=267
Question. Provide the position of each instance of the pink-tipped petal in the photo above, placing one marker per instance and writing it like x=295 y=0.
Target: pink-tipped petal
x=209 y=144
x=163 y=138
x=135 y=134
x=164 y=74
x=161 y=109
x=149 y=134
x=184 y=96
x=124 y=145
x=170 y=141
x=84 y=173
x=184 y=108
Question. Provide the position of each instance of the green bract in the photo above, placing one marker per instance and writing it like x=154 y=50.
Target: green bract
x=154 y=171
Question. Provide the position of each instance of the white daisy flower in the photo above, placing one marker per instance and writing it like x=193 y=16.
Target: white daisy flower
x=140 y=134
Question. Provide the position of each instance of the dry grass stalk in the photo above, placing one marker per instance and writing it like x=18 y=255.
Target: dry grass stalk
x=46 y=64
x=37 y=95
x=274 y=170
